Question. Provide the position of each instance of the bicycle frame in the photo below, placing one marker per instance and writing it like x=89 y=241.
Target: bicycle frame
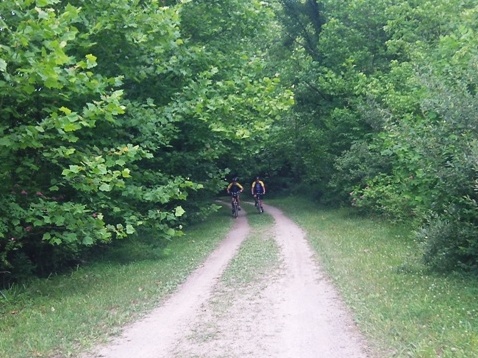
x=235 y=204
x=258 y=204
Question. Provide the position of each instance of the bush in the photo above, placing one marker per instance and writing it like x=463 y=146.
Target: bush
x=450 y=244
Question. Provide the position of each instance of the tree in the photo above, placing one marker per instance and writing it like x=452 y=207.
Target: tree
x=114 y=114
x=427 y=132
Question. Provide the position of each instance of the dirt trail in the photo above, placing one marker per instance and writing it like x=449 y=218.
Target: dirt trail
x=294 y=313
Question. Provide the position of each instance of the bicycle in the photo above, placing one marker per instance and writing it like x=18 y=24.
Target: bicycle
x=258 y=202
x=235 y=204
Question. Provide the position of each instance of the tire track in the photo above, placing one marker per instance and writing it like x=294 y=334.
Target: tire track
x=291 y=311
x=153 y=336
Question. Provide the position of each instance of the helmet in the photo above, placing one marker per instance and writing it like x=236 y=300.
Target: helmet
x=234 y=179
x=258 y=178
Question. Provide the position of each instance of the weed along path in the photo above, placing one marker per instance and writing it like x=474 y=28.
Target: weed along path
x=259 y=294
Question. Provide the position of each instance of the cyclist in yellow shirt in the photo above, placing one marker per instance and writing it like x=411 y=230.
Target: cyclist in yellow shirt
x=234 y=188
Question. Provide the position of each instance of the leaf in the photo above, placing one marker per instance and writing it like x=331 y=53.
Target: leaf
x=75 y=169
x=52 y=82
x=3 y=65
x=71 y=127
x=105 y=187
x=5 y=141
x=65 y=110
x=90 y=61
x=69 y=152
x=59 y=220
x=42 y=3
x=88 y=240
x=29 y=89
x=179 y=211
x=130 y=229
x=71 y=237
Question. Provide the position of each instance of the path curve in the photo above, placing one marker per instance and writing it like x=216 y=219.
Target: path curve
x=296 y=313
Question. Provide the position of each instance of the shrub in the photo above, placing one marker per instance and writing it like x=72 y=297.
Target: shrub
x=450 y=244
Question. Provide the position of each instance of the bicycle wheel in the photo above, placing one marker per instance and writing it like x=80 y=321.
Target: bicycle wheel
x=235 y=208
x=259 y=204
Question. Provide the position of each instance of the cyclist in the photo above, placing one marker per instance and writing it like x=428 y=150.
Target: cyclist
x=235 y=188
x=258 y=189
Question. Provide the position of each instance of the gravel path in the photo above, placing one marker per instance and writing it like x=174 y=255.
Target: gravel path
x=295 y=312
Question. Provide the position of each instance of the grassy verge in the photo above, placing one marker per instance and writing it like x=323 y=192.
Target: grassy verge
x=257 y=256
x=63 y=315
x=404 y=310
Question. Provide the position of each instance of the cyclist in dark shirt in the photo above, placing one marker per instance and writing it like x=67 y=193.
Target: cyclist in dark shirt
x=258 y=189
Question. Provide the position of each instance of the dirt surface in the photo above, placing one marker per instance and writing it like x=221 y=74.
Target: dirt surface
x=295 y=312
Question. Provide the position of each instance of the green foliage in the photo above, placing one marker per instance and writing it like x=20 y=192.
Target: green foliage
x=449 y=244
x=331 y=82
x=385 y=114
x=303 y=21
x=50 y=98
x=114 y=114
x=427 y=135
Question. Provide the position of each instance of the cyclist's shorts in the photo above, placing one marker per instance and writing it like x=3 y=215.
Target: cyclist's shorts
x=235 y=194
x=259 y=196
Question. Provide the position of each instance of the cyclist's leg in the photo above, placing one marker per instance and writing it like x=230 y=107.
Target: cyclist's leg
x=258 y=202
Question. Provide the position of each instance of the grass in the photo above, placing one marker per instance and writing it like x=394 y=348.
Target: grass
x=64 y=315
x=402 y=308
x=242 y=282
x=257 y=256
